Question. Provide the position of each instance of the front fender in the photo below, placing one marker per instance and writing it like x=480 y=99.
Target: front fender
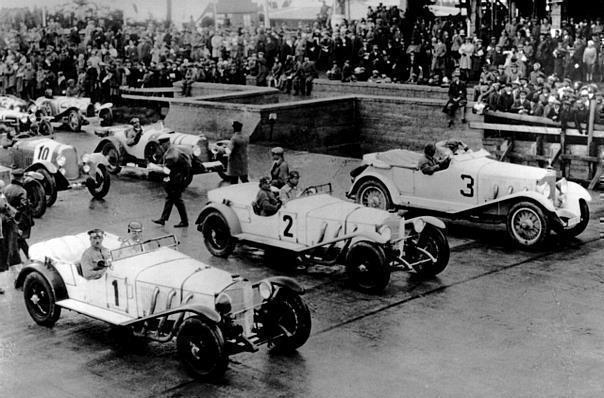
x=110 y=140
x=66 y=112
x=371 y=173
x=428 y=220
x=227 y=213
x=97 y=158
x=577 y=192
x=107 y=105
x=51 y=168
x=285 y=282
x=50 y=273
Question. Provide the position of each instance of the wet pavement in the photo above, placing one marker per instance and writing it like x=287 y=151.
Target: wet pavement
x=498 y=322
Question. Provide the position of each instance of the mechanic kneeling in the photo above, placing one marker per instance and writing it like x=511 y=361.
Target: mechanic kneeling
x=429 y=164
x=95 y=258
x=266 y=204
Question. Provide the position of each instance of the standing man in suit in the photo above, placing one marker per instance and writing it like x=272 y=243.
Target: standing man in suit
x=238 y=158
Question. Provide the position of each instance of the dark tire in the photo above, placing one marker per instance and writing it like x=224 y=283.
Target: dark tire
x=580 y=227
x=434 y=241
x=287 y=312
x=50 y=186
x=102 y=183
x=372 y=193
x=74 y=121
x=152 y=154
x=366 y=263
x=45 y=128
x=40 y=300
x=113 y=157
x=527 y=225
x=201 y=350
x=106 y=116
x=37 y=197
x=217 y=234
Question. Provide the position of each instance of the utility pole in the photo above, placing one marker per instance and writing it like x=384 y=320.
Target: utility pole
x=267 y=21
x=169 y=12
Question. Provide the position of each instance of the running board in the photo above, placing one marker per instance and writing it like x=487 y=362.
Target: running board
x=93 y=311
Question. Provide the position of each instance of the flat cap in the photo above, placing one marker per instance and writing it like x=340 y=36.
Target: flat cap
x=277 y=151
x=18 y=172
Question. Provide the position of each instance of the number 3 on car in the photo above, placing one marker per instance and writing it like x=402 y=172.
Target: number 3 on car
x=288 y=225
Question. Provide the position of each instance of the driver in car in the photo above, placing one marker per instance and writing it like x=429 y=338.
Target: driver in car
x=290 y=190
x=429 y=163
x=133 y=134
x=266 y=203
x=95 y=259
x=451 y=147
x=135 y=234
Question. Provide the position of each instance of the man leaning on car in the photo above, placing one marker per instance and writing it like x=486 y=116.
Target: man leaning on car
x=429 y=164
x=95 y=258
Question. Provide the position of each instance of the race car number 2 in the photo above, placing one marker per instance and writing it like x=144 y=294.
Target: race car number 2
x=288 y=226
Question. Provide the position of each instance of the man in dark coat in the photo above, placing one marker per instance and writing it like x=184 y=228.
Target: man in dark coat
x=179 y=163
x=266 y=203
x=458 y=98
x=8 y=229
x=238 y=157
x=16 y=195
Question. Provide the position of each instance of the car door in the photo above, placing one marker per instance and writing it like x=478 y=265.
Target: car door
x=449 y=190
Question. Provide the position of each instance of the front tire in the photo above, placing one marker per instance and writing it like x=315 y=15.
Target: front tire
x=37 y=197
x=113 y=157
x=102 y=183
x=366 y=263
x=287 y=314
x=200 y=347
x=434 y=241
x=50 y=187
x=40 y=300
x=45 y=128
x=372 y=193
x=74 y=121
x=217 y=235
x=580 y=227
x=527 y=225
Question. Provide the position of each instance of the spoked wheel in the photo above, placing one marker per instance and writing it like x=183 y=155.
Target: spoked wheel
x=366 y=263
x=434 y=241
x=101 y=183
x=373 y=193
x=287 y=322
x=37 y=197
x=74 y=120
x=527 y=225
x=40 y=300
x=217 y=235
x=580 y=227
x=113 y=157
x=45 y=128
x=200 y=346
x=50 y=187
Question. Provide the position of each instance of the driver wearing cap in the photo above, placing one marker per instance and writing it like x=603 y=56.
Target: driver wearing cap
x=95 y=258
x=135 y=234
x=133 y=134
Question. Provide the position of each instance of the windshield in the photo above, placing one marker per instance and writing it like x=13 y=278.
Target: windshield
x=144 y=247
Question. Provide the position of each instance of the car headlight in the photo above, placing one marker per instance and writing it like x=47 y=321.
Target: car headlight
x=86 y=168
x=61 y=160
x=197 y=151
x=418 y=225
x=544 y=189
x=24 y=119
x=385 y=232
x=266 y=290
x=223 y=304
x=86 y=158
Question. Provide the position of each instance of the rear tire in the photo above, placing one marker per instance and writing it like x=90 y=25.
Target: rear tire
x=372 y=193
x=106 y=116
x=74 y=121
x=366 y=263
x=217 y=234
x=37 y=197
x=102 y=183
x=50 y=187
x=40 y=300
x=113 y=157
x=200 y=347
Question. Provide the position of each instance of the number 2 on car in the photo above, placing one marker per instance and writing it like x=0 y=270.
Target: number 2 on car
x=287 y=226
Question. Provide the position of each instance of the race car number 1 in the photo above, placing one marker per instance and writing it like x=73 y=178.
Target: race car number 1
x=288 y=226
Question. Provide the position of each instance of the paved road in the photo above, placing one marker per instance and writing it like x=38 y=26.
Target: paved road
x=498 y=322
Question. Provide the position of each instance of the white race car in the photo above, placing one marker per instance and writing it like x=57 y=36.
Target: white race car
x=158 y=293
x=74 y=111
x=319 y=228
x=528 y=199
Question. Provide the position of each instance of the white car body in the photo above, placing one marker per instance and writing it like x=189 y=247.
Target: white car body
x=473 y=184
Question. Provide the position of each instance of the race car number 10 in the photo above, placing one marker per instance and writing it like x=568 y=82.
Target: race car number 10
x=43 y=152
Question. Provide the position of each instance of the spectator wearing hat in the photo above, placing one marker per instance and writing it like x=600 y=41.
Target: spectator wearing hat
x=506 y=99
x=457 y=99
x=135 y=234
x=522 y=105
x=536 y=73
x=290 y=190
x=238 y=157
x=16 y=195
x=133 y=134
x=95 y=259
x=280 y=169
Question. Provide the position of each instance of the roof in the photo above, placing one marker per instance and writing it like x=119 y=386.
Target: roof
x=236 y=7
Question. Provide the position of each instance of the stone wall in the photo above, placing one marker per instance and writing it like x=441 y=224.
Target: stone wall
x=389 y=122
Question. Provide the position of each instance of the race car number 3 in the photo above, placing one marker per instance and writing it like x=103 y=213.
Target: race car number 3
x=288 y=226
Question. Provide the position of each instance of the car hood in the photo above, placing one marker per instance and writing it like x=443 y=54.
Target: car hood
x=494 y=168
